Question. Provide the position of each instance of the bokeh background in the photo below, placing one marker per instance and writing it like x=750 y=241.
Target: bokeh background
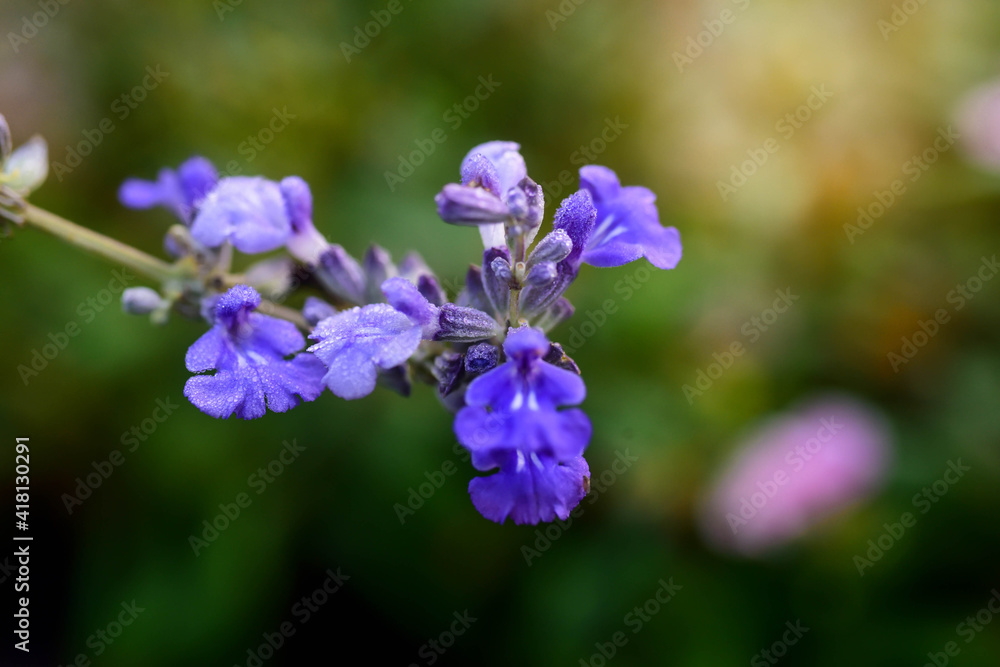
x=565 y=69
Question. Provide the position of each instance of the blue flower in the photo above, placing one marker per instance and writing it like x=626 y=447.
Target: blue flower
x=249 y=212
x=305 y=243
x=495 y=188
x=180 y=191
x=355 y=343
x=628 y=224
x=511 y=422
x=248 y=352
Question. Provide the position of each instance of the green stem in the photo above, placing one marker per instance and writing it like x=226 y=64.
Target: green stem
x=513 y=313
x=100 y=245
x=147 y=265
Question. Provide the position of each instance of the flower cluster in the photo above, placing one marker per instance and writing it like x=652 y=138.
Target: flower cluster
x=379 y=322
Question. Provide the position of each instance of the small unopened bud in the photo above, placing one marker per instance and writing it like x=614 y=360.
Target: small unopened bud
x=554 y=247
x=464 y=325
x=141 y=300
x=541 y=274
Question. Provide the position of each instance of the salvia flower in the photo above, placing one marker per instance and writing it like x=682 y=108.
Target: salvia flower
x=495 y=190
x=628 y=224
x=794 y=471
x=247 y=352
x=356 y=343
x=181 y=191
x=305 y=243
x=249 y=212
x=511 y=421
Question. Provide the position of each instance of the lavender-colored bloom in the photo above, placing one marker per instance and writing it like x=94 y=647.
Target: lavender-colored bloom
x=494 y=188
x=248 y=353
x=794 y=471
x=181 y=191
x=249 y=212
x=305 y=244
x=628 y=224
x=355 y=343
x=511 y=421
x=342 y=274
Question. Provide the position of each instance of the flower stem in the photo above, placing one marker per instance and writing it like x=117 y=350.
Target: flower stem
x=100 y=245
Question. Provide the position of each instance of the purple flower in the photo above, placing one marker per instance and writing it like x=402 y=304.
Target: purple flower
x=355 y=343
x=628 y=224
x=248 y=353
x=305 y=244
x=180 y=191
x=495 y=188
x=511 y=421
x=249 y=212
x=794 y=471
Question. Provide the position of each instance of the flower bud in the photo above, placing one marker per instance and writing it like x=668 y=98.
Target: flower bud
x=554 y=247
x=341 y=274
x=141 y=300
x=461 y=205
x=480 y=358
x=497 y=285
x=464 y=325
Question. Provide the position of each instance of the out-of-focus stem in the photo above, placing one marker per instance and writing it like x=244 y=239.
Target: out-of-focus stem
x=100 y=245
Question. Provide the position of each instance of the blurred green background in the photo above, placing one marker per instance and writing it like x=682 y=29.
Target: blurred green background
x=564 y=69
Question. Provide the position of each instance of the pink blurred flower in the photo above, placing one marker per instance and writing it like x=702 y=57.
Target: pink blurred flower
x=978 y=119
x=795 y=470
